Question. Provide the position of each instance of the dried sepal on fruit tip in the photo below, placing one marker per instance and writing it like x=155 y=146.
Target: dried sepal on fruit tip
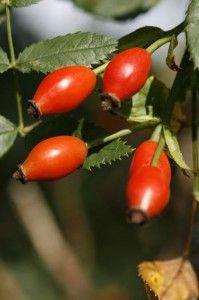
x=19 y=175
x=108 y=102
x=136 y=216
x=33 y=110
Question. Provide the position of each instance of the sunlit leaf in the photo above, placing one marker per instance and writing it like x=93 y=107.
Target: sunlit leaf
x=81 y=48
x=170 y=279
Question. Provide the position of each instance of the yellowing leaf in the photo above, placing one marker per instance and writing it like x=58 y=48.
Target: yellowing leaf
x=170 y=280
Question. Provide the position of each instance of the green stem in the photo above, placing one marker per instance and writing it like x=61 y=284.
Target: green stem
x=16 y=78
x=159 y=43
x=19 y=101
x=158 y=151
x=119 y=134
x=156 y=133
x=9 y=35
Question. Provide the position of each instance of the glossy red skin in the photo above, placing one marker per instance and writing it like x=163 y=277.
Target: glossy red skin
x=143 y=157
x=64 y=89
x=147 y=192
x=54 y=158
x=126 y=73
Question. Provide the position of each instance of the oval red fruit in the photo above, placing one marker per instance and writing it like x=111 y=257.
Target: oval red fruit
x=125 y=75
x=52 y=158
x=143 y=157
x=62 y=90
x=147 y=194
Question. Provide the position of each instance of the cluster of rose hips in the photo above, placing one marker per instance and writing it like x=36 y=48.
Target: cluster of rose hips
x=65 y=89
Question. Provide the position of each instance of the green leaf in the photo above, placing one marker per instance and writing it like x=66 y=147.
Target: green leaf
x=108 y=154
x=21 y=3
x=142 y=37
x=192 y=29
x=174 y=148
x=4 y=61
x=146 y=105
x=8 y=133
x=81 y=48
x=115 y=8
x=170 y=60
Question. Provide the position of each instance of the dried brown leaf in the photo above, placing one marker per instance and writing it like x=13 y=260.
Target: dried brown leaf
x=170 y=280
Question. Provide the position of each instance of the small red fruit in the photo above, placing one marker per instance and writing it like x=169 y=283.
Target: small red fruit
x=62 y=90
x=124 y=76
x=143 y=157
x=147 y=194
x=52 y=159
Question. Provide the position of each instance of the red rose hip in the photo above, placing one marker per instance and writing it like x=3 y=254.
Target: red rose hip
x=62 y=90
x=147 y=194
x=143 y=157
x=124 y=76
x=52 y=158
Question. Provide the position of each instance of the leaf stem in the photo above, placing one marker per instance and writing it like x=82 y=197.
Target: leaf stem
x=120 y=134
x=16 y=78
